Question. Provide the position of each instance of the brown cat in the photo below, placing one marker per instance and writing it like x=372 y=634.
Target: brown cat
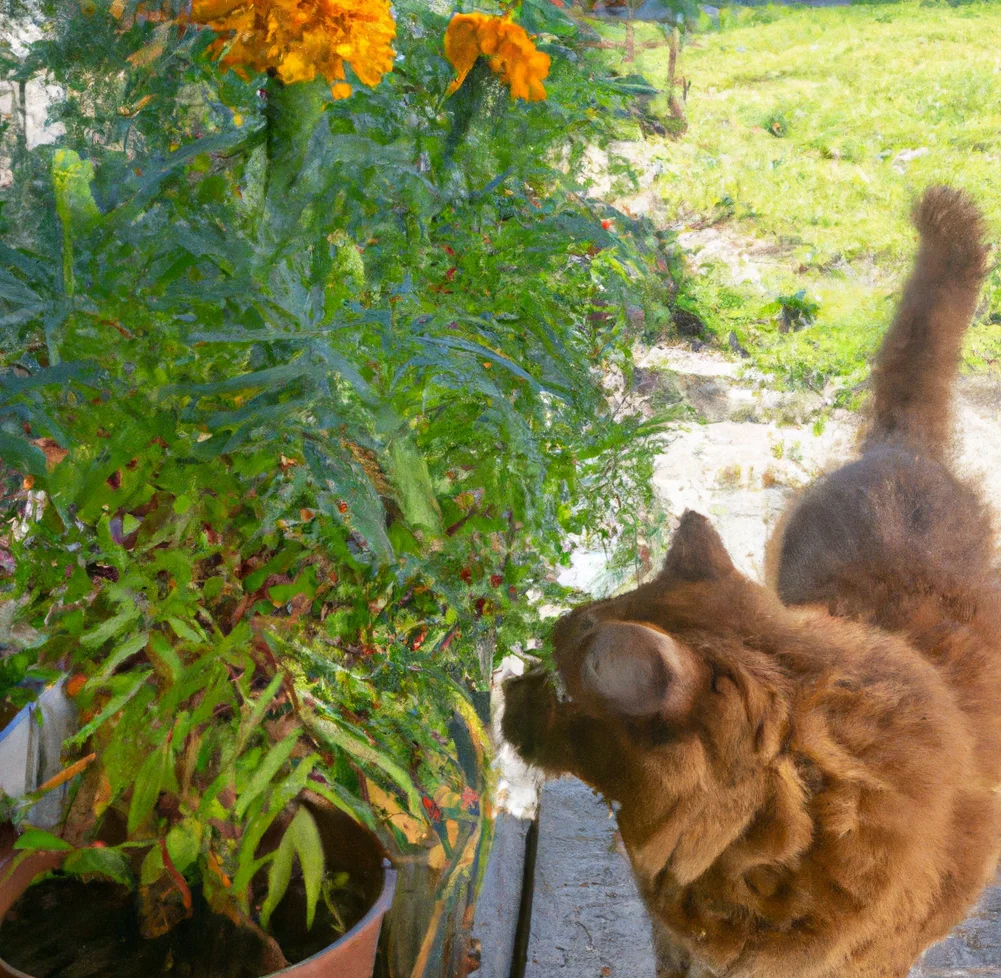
x=809 y=779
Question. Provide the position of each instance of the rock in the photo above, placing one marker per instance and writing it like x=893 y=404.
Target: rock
x=905 y=156
x=688 y=324
x=734 y=344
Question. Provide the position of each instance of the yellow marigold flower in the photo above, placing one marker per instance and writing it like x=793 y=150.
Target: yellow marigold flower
x=512 y=53
x=301 y=39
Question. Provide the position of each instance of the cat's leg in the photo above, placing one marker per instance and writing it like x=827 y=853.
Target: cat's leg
x=672 y=962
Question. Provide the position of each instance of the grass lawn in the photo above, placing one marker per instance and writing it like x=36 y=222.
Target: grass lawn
x=797 y=118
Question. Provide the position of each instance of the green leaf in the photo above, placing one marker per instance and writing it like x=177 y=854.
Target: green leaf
x=184 y=842
x=265 y=771
x=112 y=707
x=21 y=456
x=183 y=630
x=348 y=803
x=305 y=583
x=273 y=377
x=333 y=733
x=37 y=839
x=276 y=565
x=152 y=867
x=110 y=863
x=212 y=588
x=259 y=821
x=71 y=177
x=408 y=472
x=345 y=481
x=152 y=778
x=309 y=848
x=279 y=875
x=632 y=85
x=165 y=657
x=110 y=628
x=256 y=715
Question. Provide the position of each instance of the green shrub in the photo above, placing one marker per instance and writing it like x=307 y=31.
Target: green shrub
x=312 y=392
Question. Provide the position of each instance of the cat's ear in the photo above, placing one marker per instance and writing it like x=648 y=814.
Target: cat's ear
x=697 y=552
x=634 y=670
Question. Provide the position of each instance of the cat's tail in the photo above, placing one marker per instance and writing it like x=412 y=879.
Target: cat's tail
x=917 y=365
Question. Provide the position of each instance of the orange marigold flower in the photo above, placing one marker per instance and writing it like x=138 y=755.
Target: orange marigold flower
x=301 y=39
x=512 y=53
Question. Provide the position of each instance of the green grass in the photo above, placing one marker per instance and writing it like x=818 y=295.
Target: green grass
x=848 y=89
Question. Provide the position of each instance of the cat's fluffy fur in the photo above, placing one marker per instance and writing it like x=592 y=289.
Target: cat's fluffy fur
x=809 y=773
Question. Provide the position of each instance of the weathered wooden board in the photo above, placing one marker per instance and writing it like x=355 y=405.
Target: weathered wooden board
x=499 y=902
x=973 y=948
x=587 y=918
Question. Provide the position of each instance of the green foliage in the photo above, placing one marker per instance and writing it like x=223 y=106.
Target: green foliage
x=315 y=410
x=826 y=207
x=794 y=311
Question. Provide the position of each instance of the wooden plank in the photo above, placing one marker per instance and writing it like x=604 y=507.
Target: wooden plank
x=973 y=948
x=499 y=902
x=587 y=918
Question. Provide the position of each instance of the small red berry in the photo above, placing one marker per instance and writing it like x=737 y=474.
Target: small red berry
x=342 y=507
x=496 y=580
x=99 y=845
x=607 y=224
x=512 y=592
x=466 y=574
x=480 y=606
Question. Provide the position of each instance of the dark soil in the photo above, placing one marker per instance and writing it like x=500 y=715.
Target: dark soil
x=65 y=928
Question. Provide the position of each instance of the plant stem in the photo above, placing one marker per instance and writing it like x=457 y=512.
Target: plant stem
x=291 y=115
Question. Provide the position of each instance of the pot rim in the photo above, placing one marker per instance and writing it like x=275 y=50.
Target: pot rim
x=373 y=916
x=376 y=912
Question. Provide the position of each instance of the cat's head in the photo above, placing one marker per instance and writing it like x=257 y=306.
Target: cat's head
x=665 y=651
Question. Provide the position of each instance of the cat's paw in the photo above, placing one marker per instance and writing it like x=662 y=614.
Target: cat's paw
x=529 y=708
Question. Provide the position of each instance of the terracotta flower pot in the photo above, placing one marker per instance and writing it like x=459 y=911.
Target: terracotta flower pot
x=353 y=956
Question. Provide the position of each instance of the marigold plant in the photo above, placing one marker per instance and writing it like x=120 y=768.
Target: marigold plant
x=300 y=39
x=512 y=53
x=300 y=414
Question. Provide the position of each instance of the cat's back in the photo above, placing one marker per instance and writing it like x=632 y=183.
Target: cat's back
x=895 y=540
x=875 y=532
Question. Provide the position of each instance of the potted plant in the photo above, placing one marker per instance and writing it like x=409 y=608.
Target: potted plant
x=308 y=437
